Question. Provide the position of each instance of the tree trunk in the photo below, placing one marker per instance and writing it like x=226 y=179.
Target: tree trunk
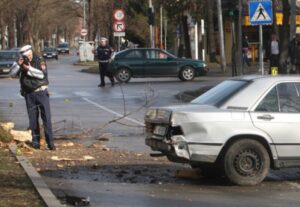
x=11 y=33
x=186 y=36
x=284 y=37
x=211 y=26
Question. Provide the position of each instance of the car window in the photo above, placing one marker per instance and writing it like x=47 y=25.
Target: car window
x=282 y=98
x=134 y=54
x=270 y=102
x=218 y=95
x=289 y=99
x=155 y=54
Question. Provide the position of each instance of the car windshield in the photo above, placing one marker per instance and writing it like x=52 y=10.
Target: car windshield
x=221 y=93
x=8 y=55
x=49 y=50
x=63 y=45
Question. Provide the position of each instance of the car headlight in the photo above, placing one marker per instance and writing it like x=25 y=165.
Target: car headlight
x=53 y=54
x=44 y=54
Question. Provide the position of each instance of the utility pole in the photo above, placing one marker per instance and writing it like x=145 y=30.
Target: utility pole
x=196 y=41
x=221 y=36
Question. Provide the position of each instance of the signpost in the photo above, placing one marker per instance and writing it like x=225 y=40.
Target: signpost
x=260 y=13
x=119 y=26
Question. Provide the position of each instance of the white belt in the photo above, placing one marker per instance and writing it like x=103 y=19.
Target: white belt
x=42 y=88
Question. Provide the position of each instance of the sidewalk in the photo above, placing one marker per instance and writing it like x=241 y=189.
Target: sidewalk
x=215 y=70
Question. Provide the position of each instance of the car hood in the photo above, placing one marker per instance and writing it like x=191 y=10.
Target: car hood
x=7 y=62
x=191 y=108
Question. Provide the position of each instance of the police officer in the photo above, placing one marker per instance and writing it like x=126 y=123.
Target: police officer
x=104 y=53
x=32 y=71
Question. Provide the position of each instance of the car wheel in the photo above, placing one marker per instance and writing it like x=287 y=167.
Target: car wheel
x=246 y=162
x=187 y=73
x=123 y=75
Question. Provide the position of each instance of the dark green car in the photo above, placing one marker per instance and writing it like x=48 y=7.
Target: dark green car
x=146 y=62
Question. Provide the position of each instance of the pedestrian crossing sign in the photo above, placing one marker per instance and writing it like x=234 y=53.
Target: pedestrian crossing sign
x=260 y=12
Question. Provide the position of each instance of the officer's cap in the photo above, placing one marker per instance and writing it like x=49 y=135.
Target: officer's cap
x=25 y=50
x=103 y=39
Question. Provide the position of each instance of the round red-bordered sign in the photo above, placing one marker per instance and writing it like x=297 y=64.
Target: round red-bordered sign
x=119 y=26
x=119 y=15
x=83 y=32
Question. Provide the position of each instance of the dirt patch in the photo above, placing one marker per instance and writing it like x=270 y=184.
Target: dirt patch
x=97 y=162
x=16 y=187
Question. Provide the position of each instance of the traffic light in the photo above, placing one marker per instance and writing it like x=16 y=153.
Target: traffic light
x=151 y=17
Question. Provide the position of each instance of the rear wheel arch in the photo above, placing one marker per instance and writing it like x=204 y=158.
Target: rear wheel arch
x=258 y=138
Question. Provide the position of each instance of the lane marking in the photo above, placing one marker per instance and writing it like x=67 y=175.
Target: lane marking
x=112 y=112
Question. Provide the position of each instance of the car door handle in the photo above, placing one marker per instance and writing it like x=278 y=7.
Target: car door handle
x=265 y=117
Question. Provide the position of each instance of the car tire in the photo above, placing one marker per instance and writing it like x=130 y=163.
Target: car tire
x=123 y=75
x=187 y=73
x=246 y=162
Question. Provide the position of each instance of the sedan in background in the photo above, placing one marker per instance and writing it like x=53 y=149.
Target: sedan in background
x=240 y=128
x=147 y=62
x=50 y=52
x=7 y=59
x=63 y=48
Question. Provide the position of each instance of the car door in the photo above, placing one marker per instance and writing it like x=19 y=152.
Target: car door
x=134 y=60
x=159 y=63
x=278 y=114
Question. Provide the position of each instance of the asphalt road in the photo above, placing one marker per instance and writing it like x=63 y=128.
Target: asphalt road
x=77 y=104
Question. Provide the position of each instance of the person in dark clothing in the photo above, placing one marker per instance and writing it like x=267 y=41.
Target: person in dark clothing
x=294 y=53
x=273 y=52
x=245 y=48
x=32 y=71
x=104 y=53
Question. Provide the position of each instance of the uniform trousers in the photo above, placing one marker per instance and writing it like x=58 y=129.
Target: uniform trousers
x=38 y=103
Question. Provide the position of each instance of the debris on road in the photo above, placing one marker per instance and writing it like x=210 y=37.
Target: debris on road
x=21 y=136
x=188 y=173
x=7 y=126
x=84 y=158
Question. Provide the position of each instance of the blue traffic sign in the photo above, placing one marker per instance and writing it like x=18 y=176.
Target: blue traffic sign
x=260 y=12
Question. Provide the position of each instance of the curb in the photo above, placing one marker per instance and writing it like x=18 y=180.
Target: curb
x=39 y=184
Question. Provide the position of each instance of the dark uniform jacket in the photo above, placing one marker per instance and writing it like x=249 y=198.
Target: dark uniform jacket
x=29 y=83
x=104 y=53
x=294 y=52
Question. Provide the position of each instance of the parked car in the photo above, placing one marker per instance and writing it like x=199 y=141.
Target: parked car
x=147 y=62
x=7 y=59
x=240 y=128
x=63 y=48
x=50 y=52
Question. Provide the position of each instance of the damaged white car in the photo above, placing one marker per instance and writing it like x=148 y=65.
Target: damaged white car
x=241 y=128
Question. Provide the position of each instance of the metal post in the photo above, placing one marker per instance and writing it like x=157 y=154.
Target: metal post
x=196 y=41
x=203 y=39
x=221 y=36
x=166 y=32
x=151 y=27
x=240 y=61
x=261 y=55
x=293 y=19
x=161 y=27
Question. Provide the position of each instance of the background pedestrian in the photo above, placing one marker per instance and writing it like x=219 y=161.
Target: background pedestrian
x=104 y=53
x=294 y=52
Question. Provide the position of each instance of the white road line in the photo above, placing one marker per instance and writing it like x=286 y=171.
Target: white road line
x=111 y=111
